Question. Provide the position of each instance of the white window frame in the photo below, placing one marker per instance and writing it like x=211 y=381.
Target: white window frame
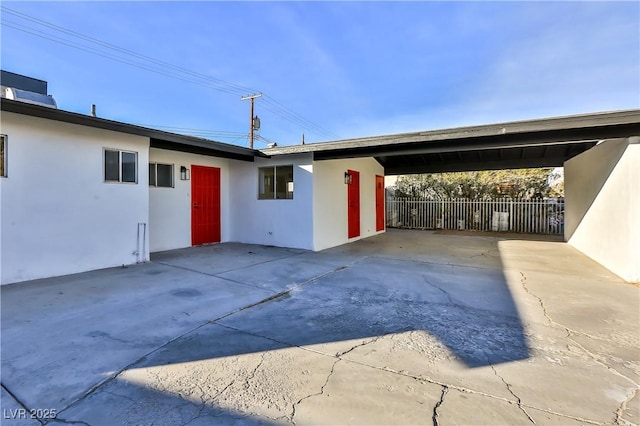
x=5 y=149
x=120 y=152
x=173 y=179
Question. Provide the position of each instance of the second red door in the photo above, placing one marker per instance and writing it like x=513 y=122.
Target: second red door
x=379 y=203
x=205 y=205
x=353 y=204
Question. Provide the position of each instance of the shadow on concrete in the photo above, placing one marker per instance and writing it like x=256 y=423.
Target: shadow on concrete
x=466 y=305
x=388 y=284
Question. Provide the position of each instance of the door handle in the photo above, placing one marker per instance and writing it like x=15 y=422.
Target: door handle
x=195 y=205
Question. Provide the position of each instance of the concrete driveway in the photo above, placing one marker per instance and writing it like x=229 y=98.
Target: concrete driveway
x=409 y=327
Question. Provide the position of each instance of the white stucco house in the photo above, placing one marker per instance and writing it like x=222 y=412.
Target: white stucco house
x=80 y=192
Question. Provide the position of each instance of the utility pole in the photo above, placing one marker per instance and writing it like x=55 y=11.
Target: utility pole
x=252 y=123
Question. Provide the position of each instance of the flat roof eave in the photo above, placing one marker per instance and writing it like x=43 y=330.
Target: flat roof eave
x=164 y=140
x=528 y=132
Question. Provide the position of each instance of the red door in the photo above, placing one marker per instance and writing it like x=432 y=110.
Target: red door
x=353 y=207
x=205 y=205
x=379 y=203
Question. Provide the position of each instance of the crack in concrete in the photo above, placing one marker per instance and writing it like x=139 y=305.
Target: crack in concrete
x=467 y=308
x=213 y=398
x=485 y=253
x=445 y=390
x=422 y=379
x=340 y=354
x=623 y=408
x=202 y=404
x=69 y=422
x=255 y=370
x=519 y=401
x=570 y=332
x=523 y=282
x=120 y=396
x=425 y=379
x=449 y=298
x=594 y=357
x=293 y=408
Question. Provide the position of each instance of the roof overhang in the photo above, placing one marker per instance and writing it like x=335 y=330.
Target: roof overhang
x=533 y=143
x=158 y=138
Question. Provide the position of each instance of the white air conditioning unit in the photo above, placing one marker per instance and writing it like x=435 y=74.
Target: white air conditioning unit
x=30 y=97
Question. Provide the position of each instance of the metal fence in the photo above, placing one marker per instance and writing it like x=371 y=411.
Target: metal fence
x=538 y=216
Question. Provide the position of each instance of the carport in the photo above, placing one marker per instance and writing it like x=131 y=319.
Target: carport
x=601 y=183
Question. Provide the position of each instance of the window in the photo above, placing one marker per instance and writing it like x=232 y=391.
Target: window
x=3 y=155
x=275 y=183
x=161 y=175
x=120 y=166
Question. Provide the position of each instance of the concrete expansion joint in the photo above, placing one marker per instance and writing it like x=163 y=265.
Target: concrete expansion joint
x=293 y=408
x=244 y=308
x=427 y=262
x=445 y=390
x=223 y=272
x=519 y=401
x=20 y=403
x=286 y=292
x=113 y=376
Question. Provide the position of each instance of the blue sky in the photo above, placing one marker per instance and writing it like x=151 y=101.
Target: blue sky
x=352 y=68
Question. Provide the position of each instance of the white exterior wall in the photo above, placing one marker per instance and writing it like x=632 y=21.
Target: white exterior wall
x=170 y=208
x=284 y=223
x=330 y=219
x=58 y=214
x=602 y=209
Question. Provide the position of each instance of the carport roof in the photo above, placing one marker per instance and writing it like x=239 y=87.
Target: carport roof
x=545 y=142
x=158 y=138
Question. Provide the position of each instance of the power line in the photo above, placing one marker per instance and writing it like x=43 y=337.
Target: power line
x=229 y=86
x=70 y=43
x=160 y=67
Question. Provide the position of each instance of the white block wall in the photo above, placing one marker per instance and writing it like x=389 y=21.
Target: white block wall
x=170 y=208
x=58 y=215
x=284 y=223
x=330 y=217
x=602 y=205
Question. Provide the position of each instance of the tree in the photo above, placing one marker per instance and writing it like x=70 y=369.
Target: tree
x=521 y=183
